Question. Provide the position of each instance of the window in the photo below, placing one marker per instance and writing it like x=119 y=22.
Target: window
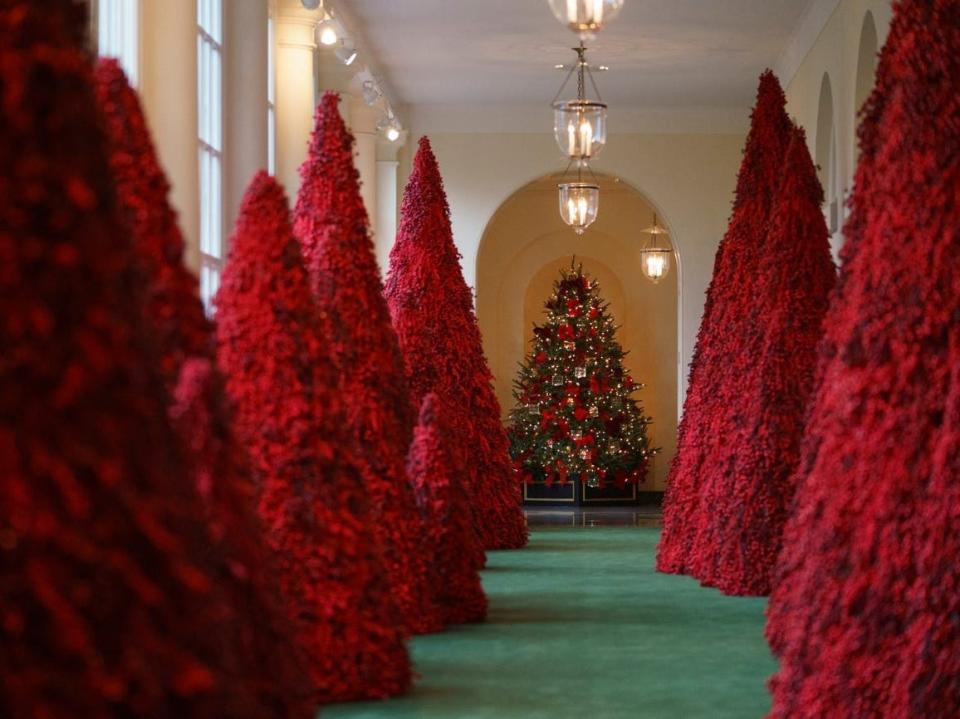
x=210 y=130
x=117 y=34
x=271 y=102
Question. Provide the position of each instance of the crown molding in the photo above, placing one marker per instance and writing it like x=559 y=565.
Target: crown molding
x=815 y=18
x=537 y=119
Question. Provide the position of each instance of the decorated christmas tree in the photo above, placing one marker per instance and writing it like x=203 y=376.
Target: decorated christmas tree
x=715 y=370
x=290 y=415
x=764 y=427
x=864 y=611
x=183 y=337
x=114 y=586
x=432 y=311
x=576 y=417
x=331 y=224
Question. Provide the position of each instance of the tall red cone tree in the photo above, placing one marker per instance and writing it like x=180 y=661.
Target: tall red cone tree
x=456 y=552
x=432 y=312
x=723 y=326
x=110 y=580
x=863 y=615
x=184 y=338
x=173 y=303
x=331 y=223
x=763 y=428
x=281 y=381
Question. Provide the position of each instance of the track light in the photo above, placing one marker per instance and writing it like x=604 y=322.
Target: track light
x=393 y=133
x=346 y=53
x=327 y=33
x=371 y=91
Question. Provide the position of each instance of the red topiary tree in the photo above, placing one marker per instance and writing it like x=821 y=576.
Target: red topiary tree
x=723 y=328
x=456 y=552
x=864 y=612
x=184 y=337
x=432 y=311
x=111 y=584
x=281 y=381
x=173 y=304
x=764 y=426
x=331 y=223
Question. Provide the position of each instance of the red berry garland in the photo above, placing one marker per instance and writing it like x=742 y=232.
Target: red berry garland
x=432 y=311
x=281 y=380
x=331 y=223
x=863 y=615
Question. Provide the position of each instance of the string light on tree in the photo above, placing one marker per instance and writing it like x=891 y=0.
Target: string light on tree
x=575 y=416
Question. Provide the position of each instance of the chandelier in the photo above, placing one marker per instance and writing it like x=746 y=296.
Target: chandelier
x=656 y=252
x=585 y=17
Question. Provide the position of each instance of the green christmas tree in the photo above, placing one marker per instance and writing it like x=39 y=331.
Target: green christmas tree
x=575 y=415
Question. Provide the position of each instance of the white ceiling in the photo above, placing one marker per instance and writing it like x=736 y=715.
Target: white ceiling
x=665 y=54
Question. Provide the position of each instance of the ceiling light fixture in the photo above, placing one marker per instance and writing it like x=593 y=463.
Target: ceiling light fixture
x=327 y=33
x=310 y=4
x=347 y=52
x=580 y=125
x=656 y=252
x=585 y=17
x=371 y=91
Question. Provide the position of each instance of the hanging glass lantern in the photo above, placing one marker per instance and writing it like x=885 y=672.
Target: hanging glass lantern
x=585 y=16
x=656 y=253
x=579 y=203
x=580 y=125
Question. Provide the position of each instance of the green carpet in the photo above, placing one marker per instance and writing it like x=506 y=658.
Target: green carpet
x=581 y=626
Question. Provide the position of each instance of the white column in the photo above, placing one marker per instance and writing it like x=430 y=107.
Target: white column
x=363 y=123
x=296 y=95
x=168 y=88
x=245 y=99
x=386 y=211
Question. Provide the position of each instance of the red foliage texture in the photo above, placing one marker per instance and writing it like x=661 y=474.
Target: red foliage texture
x=432 y=311
x=457 y=554
x=863 y=615
x=173 y=304
x=331 y=223
x=282 y=384
x=111 y=599
x=718 y=355
x=763 y=428
x=184 y=338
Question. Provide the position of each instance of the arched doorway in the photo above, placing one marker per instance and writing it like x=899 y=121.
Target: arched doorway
x=524 y=246
x=866 y=69
x=828 y=165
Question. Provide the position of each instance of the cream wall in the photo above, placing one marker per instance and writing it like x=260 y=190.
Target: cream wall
x=688 y=178
x=525 y=246
x=836 y=53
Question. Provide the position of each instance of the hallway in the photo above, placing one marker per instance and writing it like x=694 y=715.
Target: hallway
x=669 y=647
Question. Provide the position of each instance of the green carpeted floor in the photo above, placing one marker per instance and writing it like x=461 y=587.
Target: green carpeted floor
x=581 y=626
